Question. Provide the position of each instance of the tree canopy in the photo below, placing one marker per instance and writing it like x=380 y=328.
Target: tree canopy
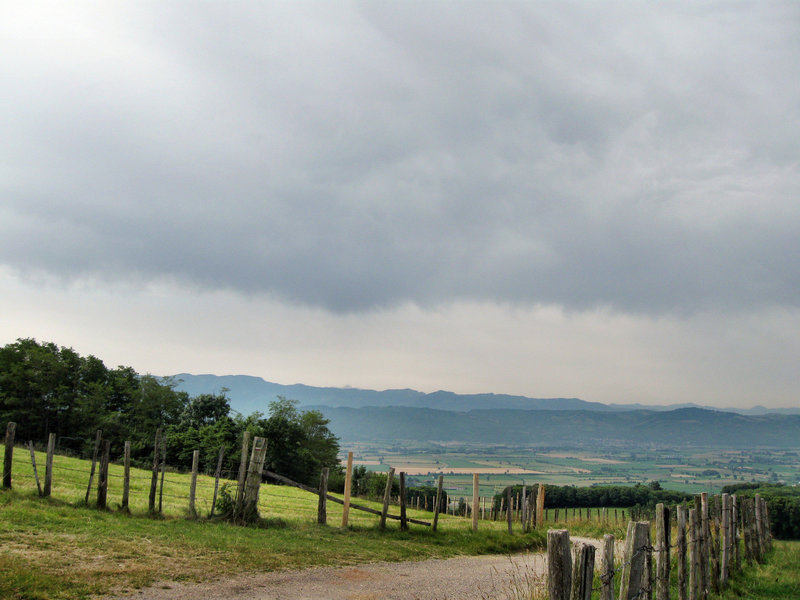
x=47 y=389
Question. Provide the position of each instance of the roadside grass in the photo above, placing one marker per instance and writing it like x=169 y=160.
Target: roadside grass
x=57 y=547
x=777 y=578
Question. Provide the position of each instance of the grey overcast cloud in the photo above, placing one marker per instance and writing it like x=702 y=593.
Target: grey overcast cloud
x=591 y=199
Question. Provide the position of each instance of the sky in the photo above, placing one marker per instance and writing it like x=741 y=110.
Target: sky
x=555 y=199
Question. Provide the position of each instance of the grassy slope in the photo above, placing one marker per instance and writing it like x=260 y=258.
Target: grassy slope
x=58 y=548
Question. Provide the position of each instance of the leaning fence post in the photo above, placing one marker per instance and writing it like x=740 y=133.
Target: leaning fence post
x=33 y=464
x=151 y=505
x=583 y=572
x=94 y=464
x=348 y=488
x=607 y=568
x=193 y=484
x=217 y=474
x=387 y=496
x=126 y=481
x=559 y=564
x=322 y=505
x=102 y=477
x=48 y=465
x=438 y=501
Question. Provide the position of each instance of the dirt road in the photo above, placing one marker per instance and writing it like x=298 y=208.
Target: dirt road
x=468 y=578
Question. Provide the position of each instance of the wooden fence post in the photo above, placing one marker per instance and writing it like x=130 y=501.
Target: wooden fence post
x=680 y=544
x=387 y=497
x=102 y=477
x=633 y=571
x=475 y=501
x=735 y=529
x=508 y=508
x=33 y=464
x=403 y=517
x=726 y=541
x=694 y=555
x=48 y=465
x=237 y=511
x=126 y=481
x=436 y=509
x=322 y=505
x=540 y=506
x=348 y=487
x=582 y=572
x=663 y=529
x=94 y=464
x=607 y=568
x=163 y=472
x=253 y=481
x=759 y=528
x=193 y=484
x=11 y=430
x=151 y=505
x=701 y=506
x=217 y=474
x=559 y=564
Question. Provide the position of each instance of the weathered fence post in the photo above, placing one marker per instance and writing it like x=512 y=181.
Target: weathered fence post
x=11 y=430
x=694 y=555
x=253 y=481
x=193 y=484
x=735 y=538
x=540 y=506
x=48 y=465
x=475 y=501
x=559 y=564
x=680 y=543
x=387 y=496
x=633 y=571
x=403 y=517
x=217 y=474
x=102 y=477
x=726 y=540
x=663 y=529
x=126 y=481
x=322 y=505
x=348 y=486
x=583 y=572
x=163 y=472
x=438 y=501
x=240 y=481
x=759 y=527
x=508 y=508
x=33 y=464
x=607 y=568
x=94 y=464
x=151 y=505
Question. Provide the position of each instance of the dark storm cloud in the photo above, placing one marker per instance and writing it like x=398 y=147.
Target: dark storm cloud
x=351 y=156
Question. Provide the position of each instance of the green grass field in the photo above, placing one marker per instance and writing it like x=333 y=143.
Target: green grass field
x=58 y=547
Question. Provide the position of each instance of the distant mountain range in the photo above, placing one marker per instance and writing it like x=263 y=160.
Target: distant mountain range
x=249 y=394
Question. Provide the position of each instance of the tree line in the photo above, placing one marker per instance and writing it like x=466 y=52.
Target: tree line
x=47 y=389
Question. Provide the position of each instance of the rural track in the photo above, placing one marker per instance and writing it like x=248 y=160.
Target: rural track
x=464 y=578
